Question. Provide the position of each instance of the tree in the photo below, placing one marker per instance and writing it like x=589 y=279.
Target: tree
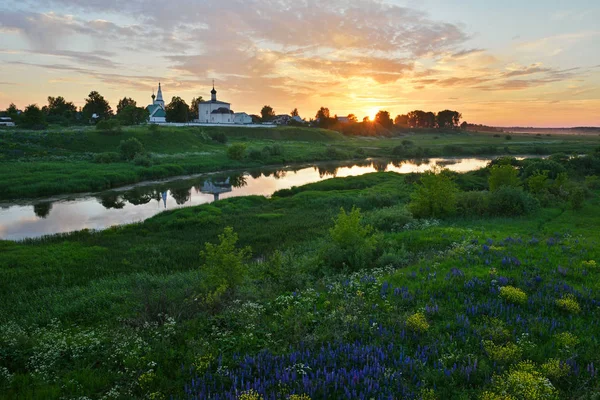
x=401 y=120
x=322 y=113
x=294 y=113
x=58 y=108
x=267 y=113
x=435 y=195
x=352 y=118
x=383 y=119
x=194 y=107
x=130 y=148
x=13 y=112
x=177 y=110
x=132 y=115
x=503 y=175
x=366 y=119
x=448 y=119
x=96 y=104
x=324 y=118
x=32 y=118
x=124 y=102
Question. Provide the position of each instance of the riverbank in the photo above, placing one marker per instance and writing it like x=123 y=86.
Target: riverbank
x=38 y=164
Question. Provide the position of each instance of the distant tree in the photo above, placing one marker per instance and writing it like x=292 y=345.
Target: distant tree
x=96 y=104
x=430 y=120
x=13 y=112
x=352 y=118
x=124 y=102
x=267 y=113
x=448 y=119
x=42 y=209
x=464 y=125
x=194 y=107
x=401 y=120
x=132 y=115
x=324 y=118
x=58 y=108
x=366 y=119
x=177 y=110
x=294 y=113
x=32 y=118
x=383 y=119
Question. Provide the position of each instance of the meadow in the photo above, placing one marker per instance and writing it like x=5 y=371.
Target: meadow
x=83 y=159
x=421 y=286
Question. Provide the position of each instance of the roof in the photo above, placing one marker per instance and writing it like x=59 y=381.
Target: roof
x=156 y=110
x=213 y=102
x=222 y=110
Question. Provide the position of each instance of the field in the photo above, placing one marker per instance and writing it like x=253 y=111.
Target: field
x=71 y=160
x=495 y=297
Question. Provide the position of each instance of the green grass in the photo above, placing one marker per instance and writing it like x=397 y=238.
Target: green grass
x=36 y=164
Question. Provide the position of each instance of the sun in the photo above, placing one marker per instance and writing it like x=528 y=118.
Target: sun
x=372 y=113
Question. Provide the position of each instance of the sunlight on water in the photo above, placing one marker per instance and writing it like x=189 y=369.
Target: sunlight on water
x=102 y=210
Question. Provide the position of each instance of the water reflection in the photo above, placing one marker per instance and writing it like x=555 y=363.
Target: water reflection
x=137 y=203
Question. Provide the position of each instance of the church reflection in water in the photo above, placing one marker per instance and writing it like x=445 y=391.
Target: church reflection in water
x=216 y=188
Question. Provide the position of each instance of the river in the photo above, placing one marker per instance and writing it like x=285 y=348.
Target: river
x=35 y=218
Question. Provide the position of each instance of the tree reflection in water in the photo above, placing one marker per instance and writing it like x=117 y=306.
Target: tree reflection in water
x=181 y=194
x=111 y=200
x=42 y=210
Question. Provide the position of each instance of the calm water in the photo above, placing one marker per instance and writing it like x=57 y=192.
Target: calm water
x=136 y=203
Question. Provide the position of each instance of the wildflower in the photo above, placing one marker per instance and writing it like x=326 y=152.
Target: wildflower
x=303 y=396
x=555 y=369
x=513 y=295
x=523 y=381
x=506 y=353
x=569 y=303
x=591 y=264
x=566 y=340
x=250 y=395
x=493 y=272
x=417 y=323
x=428 y=394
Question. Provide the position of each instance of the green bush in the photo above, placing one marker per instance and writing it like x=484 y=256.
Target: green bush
x=142 y=160
x=533 y=166
x=107 y=158
x=224 y=262
x=510 y=201
x=389 y=218
x=109 y=126
x=129 y=148
x=474 y=203
x=274 y=150
x=331 y=152
x=255 y=154
x=218 y=137
x=236 y=151
x=503 y=175
x=435 y=195
x=352 y=244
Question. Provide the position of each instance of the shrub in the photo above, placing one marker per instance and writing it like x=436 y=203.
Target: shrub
x=417 y=323
x=592 y=182
x=576 y=195
x=513 y=295
x=407 y=142
x=472 y=203
x=555 y=369
x=535 y=165
x=236 y=151
x=511 y=201
x=224 y=262
x=130 y=148
x=250 y=395
x=109 y=126
x=591 y=264
x=502 y=353
x=523 y=381
x=255 y=154
x=503 y=175
x=435 y=195
x=107 y=158
x=331 y=152
x=569 y=304
x=395 y=258
x=538 y=183
x=566 y=340
x=352 y=244
x=274 y=150
x=508 y=137
x=218 y=137
x=389 y=218
x=142 y=160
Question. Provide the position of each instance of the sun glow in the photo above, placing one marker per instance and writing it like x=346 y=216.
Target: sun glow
x=372 y=113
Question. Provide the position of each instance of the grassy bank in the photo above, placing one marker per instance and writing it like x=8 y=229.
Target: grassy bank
x=327 y=306
x=37 y=164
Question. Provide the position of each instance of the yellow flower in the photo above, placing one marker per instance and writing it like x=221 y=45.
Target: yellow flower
x=569 y=303
x=554 y=369
x=250 y=395
x=513 y=295
x=417 y=323
x=506 y=353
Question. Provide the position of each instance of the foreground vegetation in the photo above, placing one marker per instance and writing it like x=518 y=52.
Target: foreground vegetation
x=404 y=293
x=69 y=160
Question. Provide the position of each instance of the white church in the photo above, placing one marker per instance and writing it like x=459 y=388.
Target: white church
x=219 y=112
x=157 y=108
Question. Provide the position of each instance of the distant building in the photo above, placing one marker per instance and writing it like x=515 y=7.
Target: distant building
x=214 y=111
x=343 y=120
x=282 y=119
x=157 y=108
x=242 y=118
x=6 y=121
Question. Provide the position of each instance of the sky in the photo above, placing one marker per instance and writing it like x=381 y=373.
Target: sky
x=508 y=63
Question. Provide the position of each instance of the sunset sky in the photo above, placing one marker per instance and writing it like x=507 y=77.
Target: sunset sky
x=507 y=63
